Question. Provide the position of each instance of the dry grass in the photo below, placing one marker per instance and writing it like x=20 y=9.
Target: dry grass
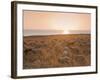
x=56 y=51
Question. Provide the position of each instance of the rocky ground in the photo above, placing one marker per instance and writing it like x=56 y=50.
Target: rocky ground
x=56 y=51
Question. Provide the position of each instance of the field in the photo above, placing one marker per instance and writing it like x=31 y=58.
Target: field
x=49 y=51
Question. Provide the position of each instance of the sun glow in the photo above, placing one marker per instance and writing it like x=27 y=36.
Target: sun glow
x=66 y=32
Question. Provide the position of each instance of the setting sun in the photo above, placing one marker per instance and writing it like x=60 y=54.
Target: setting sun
x=66 y=32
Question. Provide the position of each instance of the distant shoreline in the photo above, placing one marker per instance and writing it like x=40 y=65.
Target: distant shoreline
x=52 y=32
x=54 y=35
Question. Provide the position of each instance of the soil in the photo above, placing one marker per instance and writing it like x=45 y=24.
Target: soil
x=51 y=51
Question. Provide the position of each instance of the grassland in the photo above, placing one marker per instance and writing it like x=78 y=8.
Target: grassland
x=68 y=50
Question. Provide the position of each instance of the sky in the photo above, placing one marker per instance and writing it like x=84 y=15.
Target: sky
x=39 y=20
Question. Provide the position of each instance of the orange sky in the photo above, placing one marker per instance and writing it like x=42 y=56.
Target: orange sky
x=56 y=21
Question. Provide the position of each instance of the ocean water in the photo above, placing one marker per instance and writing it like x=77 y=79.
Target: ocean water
x=42 y=32
x=53 y=32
